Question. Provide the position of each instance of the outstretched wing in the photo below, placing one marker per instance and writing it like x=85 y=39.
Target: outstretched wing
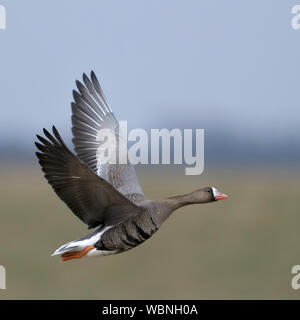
x=91 y=198
x=90 y=114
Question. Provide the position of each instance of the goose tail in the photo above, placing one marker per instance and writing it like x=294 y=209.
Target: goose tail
x=82 y=246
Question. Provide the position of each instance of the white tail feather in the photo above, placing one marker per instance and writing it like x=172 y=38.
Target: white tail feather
x=83 y=242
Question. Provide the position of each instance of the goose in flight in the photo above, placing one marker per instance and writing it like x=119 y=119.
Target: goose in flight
x=105 y=196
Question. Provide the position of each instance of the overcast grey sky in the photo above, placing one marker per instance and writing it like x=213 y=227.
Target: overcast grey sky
x=228 y=66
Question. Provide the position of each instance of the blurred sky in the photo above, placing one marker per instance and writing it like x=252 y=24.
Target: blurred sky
x=228 y=66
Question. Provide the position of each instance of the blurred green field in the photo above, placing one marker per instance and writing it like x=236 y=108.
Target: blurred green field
x=241 y=248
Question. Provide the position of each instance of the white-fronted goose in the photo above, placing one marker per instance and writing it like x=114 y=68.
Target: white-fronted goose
x=107 y=197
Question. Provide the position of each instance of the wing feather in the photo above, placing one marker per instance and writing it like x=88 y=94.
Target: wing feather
x=91 y=198
x=90 y=114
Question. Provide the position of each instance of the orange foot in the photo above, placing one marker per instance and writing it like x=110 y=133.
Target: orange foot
x=76 y=254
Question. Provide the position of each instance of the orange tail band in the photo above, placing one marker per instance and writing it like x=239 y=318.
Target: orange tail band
x=76 y=254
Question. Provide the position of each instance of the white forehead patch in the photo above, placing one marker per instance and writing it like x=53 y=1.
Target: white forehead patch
x=215 y=191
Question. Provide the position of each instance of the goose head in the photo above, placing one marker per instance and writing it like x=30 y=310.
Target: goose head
x=208 y=194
